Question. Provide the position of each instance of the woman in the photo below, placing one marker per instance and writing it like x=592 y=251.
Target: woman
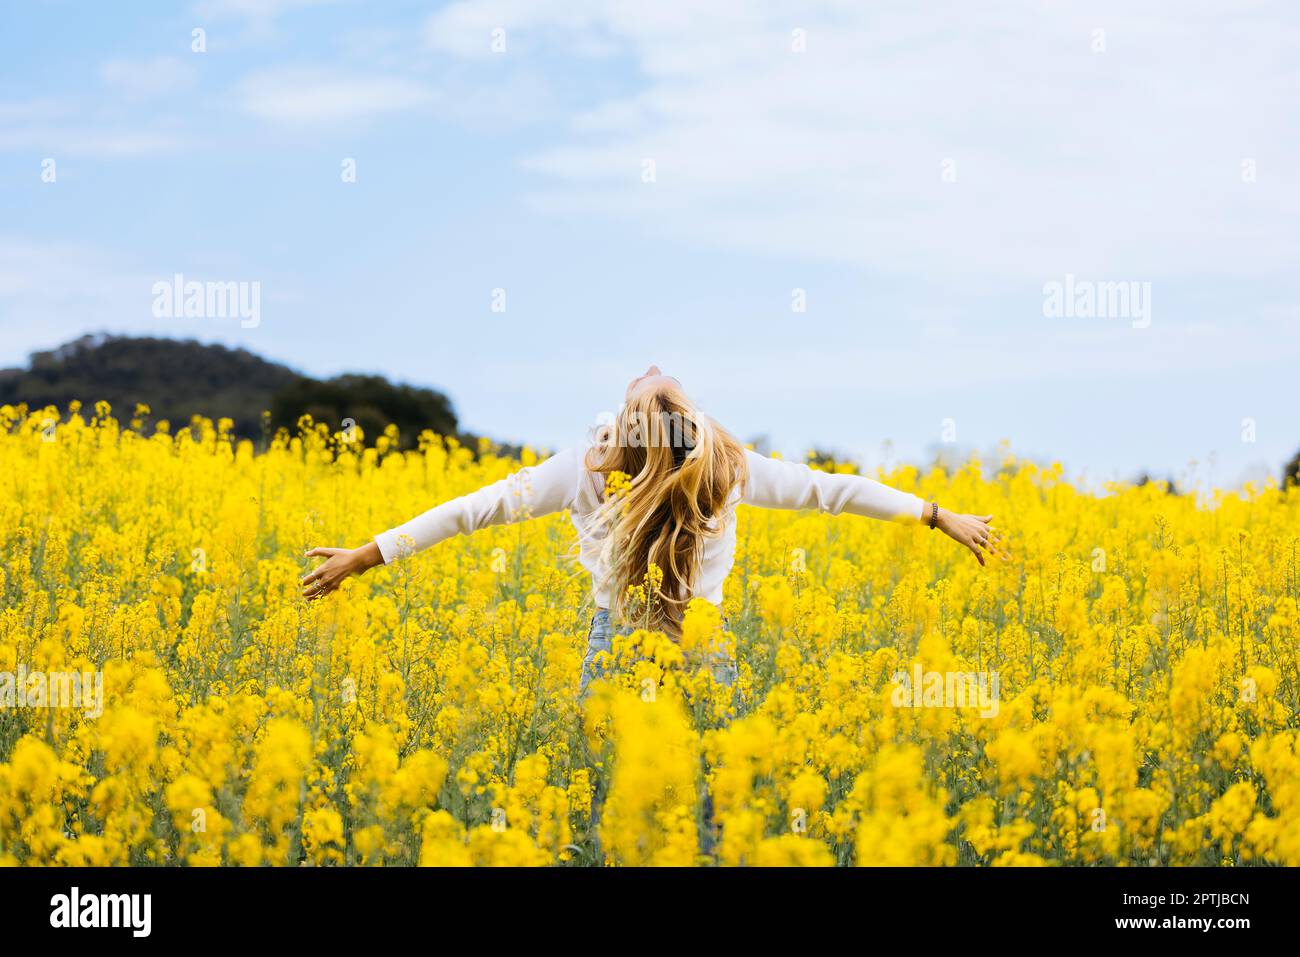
x=677 y=513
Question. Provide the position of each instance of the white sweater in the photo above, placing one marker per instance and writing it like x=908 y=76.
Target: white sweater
x=563 y=482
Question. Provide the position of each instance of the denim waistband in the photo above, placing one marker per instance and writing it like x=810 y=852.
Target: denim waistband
x=602 y=621
x=602 y=625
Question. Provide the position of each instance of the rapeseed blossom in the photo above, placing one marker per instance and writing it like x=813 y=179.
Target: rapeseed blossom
x=1145 y=646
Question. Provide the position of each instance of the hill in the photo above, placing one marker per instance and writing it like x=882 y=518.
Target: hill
x=178 y=379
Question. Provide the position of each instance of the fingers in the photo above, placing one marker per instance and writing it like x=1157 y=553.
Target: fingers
x=984 y=538
x=998 y=544
x=990 y=539
x=325 y=578
x=995 y=545
x=319 y=589
x=319 y=571
x=319 y=582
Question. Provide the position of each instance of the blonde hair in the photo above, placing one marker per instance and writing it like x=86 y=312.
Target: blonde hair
x=683 y=467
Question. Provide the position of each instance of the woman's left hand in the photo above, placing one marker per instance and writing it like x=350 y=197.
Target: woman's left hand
x=339 y=564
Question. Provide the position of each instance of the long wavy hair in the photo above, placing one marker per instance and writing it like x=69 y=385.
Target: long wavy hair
x=683 y=467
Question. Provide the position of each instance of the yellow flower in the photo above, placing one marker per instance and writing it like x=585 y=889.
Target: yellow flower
x=322 y=835
x=1138 y=646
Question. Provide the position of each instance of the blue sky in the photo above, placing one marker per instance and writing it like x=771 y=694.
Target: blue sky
x=921 y=175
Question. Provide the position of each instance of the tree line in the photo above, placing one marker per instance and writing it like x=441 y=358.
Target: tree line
x=179 y=379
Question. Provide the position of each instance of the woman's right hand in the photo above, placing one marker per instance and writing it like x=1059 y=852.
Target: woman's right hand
x=973 y=531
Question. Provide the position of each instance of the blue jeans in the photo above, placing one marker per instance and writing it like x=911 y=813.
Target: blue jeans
x=598 y=662
x=600 y=655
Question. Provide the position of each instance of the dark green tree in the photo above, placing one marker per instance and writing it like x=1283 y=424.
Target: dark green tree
x=179 y=379
x=1291 y=471
x=176 y=379
x=371 y=402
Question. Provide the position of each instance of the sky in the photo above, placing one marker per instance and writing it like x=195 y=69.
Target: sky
x=888 y=229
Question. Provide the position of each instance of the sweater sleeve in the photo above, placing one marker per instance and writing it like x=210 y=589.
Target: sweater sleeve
x=532 y=492
x=773 y=483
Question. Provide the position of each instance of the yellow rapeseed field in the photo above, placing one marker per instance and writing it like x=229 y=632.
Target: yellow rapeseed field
x=1143 y=647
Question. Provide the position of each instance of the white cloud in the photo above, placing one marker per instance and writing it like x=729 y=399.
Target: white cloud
x=263 y=10
x=40 y=108
x=1124 y=163
x=146 y=78
x=42 y=125
x=97 y=143
x=324 y=96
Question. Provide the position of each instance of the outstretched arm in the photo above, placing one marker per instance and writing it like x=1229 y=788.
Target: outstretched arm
x=773 y=483
x=528 y=493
